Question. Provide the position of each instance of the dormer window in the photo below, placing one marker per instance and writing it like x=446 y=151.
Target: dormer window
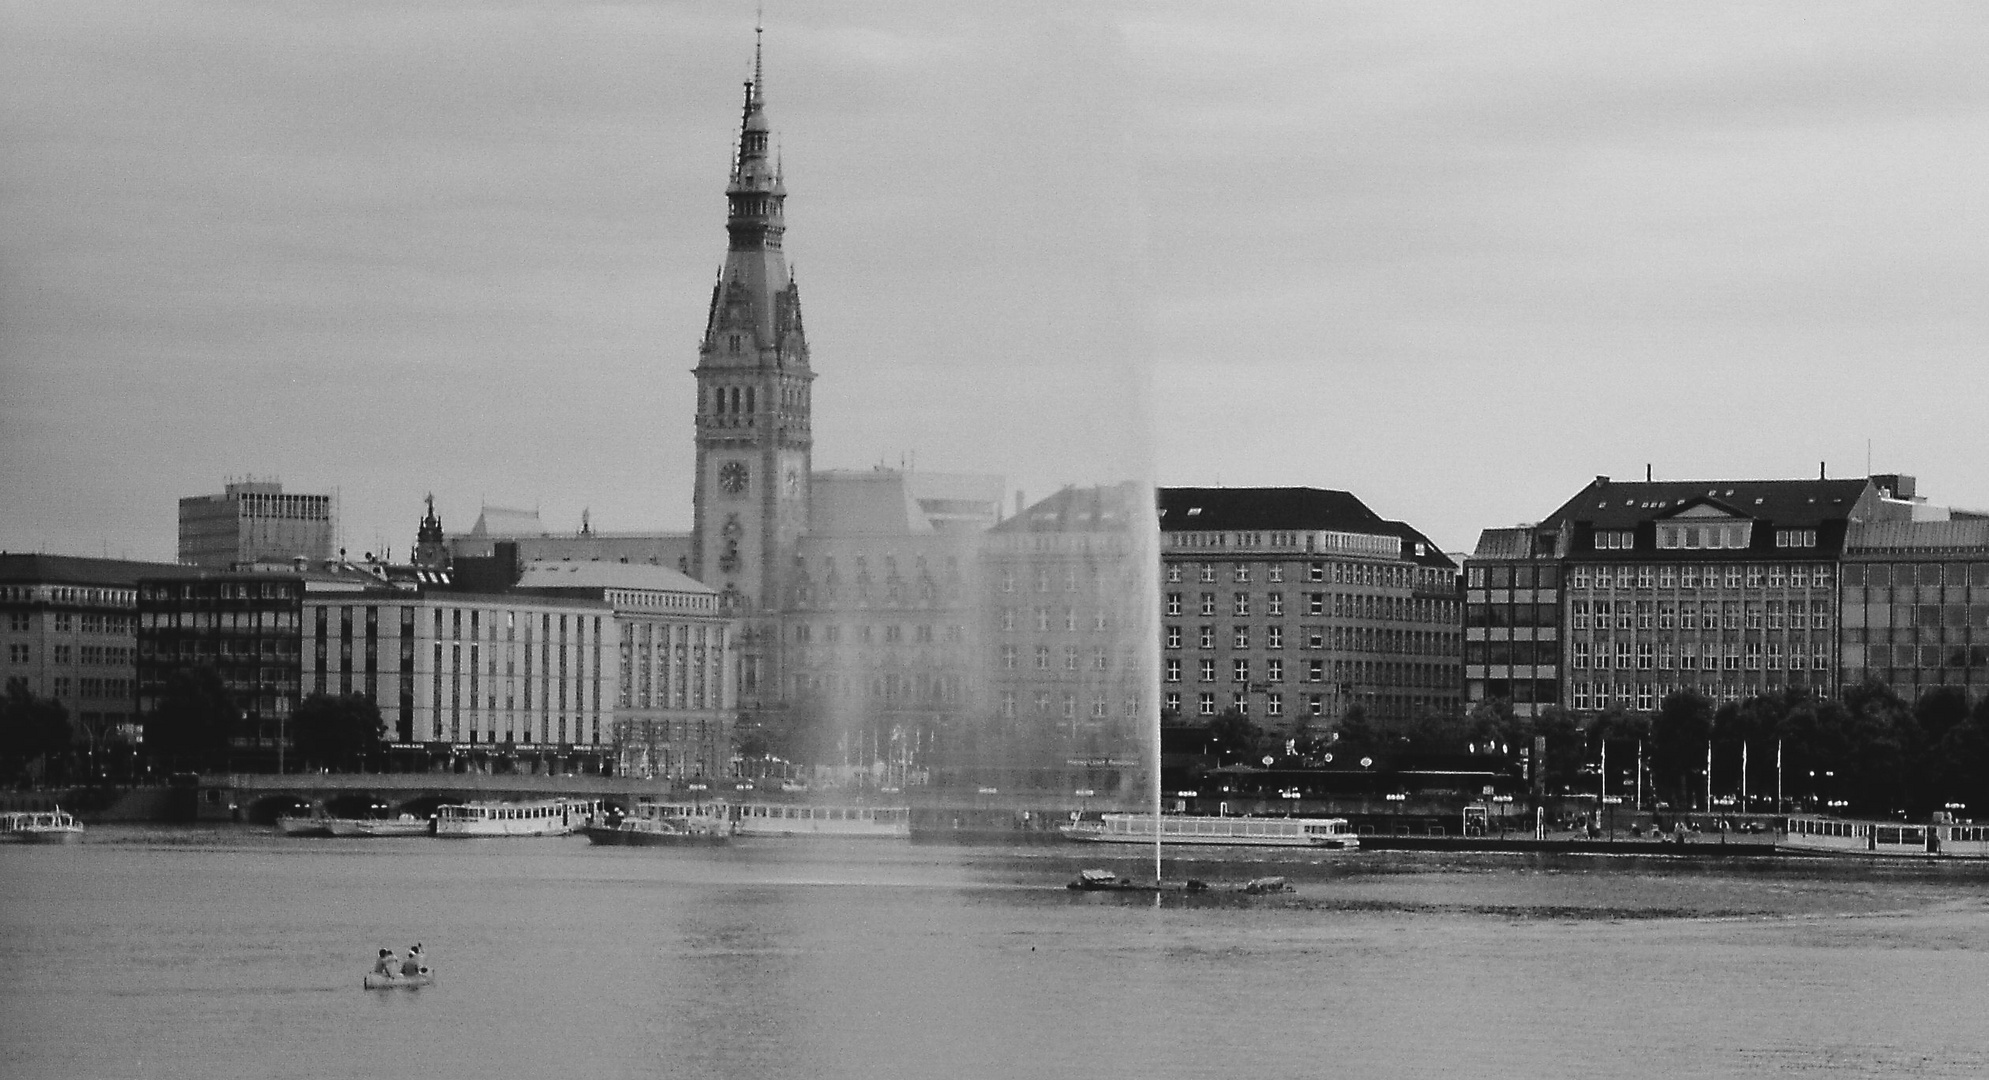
x=1615 y=539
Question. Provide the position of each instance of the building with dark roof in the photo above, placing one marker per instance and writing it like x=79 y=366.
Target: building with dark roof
x=1294 y=605
x=1630 y=590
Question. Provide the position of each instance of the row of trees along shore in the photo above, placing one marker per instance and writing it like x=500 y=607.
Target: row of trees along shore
x=1865 y=752
x=196 y=727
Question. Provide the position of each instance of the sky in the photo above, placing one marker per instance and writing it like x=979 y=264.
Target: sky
x=1457 y=259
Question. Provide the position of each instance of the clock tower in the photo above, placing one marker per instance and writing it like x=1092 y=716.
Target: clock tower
x=753 y=438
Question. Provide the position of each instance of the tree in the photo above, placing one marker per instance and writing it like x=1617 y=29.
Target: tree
x=193 y=721
x=342 y=732
x=1561 y=767
x=1233 y=735
x=33 y=730
x=1679 y=734
x=1881 y=738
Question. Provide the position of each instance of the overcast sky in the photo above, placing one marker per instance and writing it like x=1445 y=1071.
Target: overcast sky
x=1455 y=258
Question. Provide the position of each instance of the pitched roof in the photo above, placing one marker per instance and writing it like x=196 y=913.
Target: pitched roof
x=1294 y=508
x=593 y=574
x=1076 y=509
x=501 y=521
x=1615 y=504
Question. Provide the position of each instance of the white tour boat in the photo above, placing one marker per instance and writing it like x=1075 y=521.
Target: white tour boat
x=40 y=827
x=1332 y=834
x=654 y=824
x=1842 y=836
x=542 y=817
x=821 y=819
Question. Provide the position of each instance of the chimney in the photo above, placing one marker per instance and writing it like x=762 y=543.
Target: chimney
x=1822 y=473
x=1647 y=472
x=1601 y=481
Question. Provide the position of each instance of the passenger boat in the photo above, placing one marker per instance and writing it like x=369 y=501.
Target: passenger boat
x=1841 y=836
x=821 y=819
x=542 y=817
x=40 y=827
x=665 y=824
x=1332 y=834
x=319 y=826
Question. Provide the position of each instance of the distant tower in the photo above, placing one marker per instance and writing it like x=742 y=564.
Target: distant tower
x=429 y=550
x=753 y=437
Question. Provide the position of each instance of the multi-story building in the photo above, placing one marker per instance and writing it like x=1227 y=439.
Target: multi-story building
x=1914 y=605
x=254 y=521
x=1729 y=587
x=247 y=627
x=1068 y=632
x=878 y=622
x=1293 y=605
x=1512 y=620
x=673 y=700
x=68 y=629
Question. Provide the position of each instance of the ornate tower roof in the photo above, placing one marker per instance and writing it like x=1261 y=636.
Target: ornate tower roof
x=755 y=297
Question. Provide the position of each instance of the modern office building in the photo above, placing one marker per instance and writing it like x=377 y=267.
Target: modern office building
x=1914 y=605
x=248 y=628
x=255 y=521
x=1294 y=605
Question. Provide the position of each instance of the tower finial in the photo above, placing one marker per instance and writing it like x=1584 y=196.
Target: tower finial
x=759 y=28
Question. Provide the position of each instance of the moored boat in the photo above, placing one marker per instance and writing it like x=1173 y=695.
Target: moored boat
x=40 y=827
x=1330 y=834
x=819 y=819
x=541 y=817
x=1820 y=835
x=652 y=824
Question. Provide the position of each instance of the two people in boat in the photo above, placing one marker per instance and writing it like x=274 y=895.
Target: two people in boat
x=392 y=966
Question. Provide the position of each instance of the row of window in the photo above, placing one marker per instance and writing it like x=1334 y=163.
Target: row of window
x=1731 y=576
x=893 y=634
x=1900 y=575
x=1315 y=671
x=1338 y=638
x=1386 y=575
x=1711 y=615
x=1916 y=656
x=1340 y=605
x=1646 y=696
x=1732 y=656
x=63 y=622
x=1100 y=704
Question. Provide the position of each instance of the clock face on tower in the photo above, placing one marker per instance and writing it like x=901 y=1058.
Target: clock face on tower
x=732 y=476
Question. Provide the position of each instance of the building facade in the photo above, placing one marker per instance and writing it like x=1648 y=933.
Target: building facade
x=1914 y=606
x=1294 y=605
x=1727 y=587
x=248 y=628
x=673 y=700
x=68 y=630
x=1067 y=617
x=255 y=521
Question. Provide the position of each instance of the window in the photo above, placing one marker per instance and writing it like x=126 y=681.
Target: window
x=1578 y=614
x=1208 y=637
x=1242 y=572
x=1315 y=571
x=1206 y=704
x=1581 y=695
x=1646 y=658
x=1070 y=658
x=1733 y=577
x=1666 y=577
x=1579 y=579
x=1774 y=656
x=1274 y=637
x=1042 y=658
x=1645 y=578
x=1645 y=698
x=1173 y=669
x=1664 y=656
x=1624 y=613
x=1208 y=603
x=1667 y=615
x=1274 y=604
x=1242 y=605
x=1602 y=609
x=1208 y=670
x=1776 y=576
x=1208 y=572
x=1008 y=657
x=1688 y=577
x=1274 y=670
x=1315 y=603
x=1820 y=659
x=1730 y=613
x=1774 y=614
x=1242 y=637
x=1579 y=660
x=1101 y=659
x=1315 y=704
x=1173 y=573
x=1275 y=574
x=1622 y=655
x=1798 y=577
x=1315 y=671
x=1733 y=657
x=1643 y=614
x=1274 y=704
x=1819 y=613
x=1174 y=604
x=1798 y=615
x=1315 y=637
x=1172 y=702
x=17 y=654
x=1173 y=637
x=1819 y=577
x=1754 y=616
x=1240 y=670
x=1754 y=656
x=1688 y=658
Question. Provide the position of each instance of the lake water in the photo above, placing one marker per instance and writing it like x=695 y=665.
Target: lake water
x=159 y=952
